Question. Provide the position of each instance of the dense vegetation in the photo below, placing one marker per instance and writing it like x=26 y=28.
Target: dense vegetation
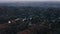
x=50 y=13
x=39 y=15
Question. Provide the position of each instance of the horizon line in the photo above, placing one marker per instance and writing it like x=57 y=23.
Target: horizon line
x=26 y=1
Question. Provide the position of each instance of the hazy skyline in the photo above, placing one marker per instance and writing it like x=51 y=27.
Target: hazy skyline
x=25 y=0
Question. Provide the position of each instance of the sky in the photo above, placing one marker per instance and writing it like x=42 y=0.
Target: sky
x=25 y=0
